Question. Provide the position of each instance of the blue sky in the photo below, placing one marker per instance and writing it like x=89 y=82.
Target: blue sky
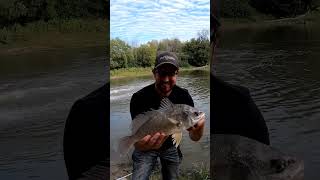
x=139 y=21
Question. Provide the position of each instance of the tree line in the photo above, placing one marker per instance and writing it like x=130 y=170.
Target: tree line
x=276 y=8
x=25 y=11
x=194 y=52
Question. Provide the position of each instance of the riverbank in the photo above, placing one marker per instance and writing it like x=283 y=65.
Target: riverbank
x=198 y=171
x=263 y=21
x=147 y=71
x=53 y=34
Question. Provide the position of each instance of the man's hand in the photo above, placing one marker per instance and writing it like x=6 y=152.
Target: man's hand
x=196 y=131
x=151 y=142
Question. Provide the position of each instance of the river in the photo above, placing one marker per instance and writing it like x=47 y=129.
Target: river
x=37 y=89
x=280 y=66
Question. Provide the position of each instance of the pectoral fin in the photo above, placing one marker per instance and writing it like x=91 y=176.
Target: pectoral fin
x=173 y=121
x=177 y=138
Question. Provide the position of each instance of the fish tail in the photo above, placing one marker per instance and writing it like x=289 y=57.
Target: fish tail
x=124 y=144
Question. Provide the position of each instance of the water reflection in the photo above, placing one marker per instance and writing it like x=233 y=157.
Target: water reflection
x=280 y=66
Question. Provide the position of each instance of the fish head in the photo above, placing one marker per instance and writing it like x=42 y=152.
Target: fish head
x=191 y=116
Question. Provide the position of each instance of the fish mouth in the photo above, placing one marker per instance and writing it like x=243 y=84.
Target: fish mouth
x=202 y=115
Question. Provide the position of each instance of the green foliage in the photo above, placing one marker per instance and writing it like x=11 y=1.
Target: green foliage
x=9 y=34
x=194 y=52
x=120 y=54
x=236 y=9
x=197 y=50
x=176 y=46
x=146 y=55
x=26 y=11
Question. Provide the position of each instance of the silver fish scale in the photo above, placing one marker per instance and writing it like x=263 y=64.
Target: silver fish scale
x=159 y=123
x=240 y=158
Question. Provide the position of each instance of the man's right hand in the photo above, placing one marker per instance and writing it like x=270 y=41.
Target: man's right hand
x=151 y=142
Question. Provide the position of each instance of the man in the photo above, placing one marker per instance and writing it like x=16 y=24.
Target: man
x=232 y=109
x=86 y=136
x=152 y=146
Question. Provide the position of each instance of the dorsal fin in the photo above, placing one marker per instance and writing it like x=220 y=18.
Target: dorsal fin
x=165 y=105
x=141 y=119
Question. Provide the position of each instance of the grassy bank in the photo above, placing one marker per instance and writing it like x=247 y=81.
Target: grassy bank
x=139 y=71
x=54 y=34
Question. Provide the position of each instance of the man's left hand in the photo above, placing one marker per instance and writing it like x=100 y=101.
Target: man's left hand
x=196 y=131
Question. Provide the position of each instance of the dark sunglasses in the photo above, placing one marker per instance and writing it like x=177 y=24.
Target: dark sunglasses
x=166 y=73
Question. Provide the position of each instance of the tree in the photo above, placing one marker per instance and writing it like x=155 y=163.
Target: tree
x=119 y=54
x=146 y=55
x=283 y=8
x=197 y=50
x=235 y=9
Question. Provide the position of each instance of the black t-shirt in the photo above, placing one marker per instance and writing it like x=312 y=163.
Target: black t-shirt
x=234 y=112
x=86 y=136
x=148 y=98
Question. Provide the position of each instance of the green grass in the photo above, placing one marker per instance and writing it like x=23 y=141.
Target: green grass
x=130 y=72
x=147 y=71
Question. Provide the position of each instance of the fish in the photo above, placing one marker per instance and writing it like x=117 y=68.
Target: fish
x=170 y=119
x=235 y=157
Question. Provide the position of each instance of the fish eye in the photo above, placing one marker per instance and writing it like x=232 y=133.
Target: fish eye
x=196 y=113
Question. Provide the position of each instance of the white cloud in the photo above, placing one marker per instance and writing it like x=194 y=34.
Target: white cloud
x=144 y=20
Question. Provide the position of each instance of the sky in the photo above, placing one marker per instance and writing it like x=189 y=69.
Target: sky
x=140 y=21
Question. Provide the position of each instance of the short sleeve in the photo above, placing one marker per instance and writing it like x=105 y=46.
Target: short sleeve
x=134 y=104
x=189 y=100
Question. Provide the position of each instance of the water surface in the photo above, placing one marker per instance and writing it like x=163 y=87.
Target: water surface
x=37 y=89
x=280 y=65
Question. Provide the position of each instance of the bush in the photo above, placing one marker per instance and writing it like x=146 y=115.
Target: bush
x=4 y=36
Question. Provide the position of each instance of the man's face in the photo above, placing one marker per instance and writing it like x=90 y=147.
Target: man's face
x=166 y=77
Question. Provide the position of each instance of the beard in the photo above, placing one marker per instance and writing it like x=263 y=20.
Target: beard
x=165 y=87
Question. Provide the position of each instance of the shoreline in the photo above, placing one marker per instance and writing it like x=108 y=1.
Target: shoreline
x=54 y=34
x=54 y=41
x=140 y=72
x=198 y=171
x=310 y=18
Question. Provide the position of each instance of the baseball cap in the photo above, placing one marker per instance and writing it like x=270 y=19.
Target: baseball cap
x=166 y=58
